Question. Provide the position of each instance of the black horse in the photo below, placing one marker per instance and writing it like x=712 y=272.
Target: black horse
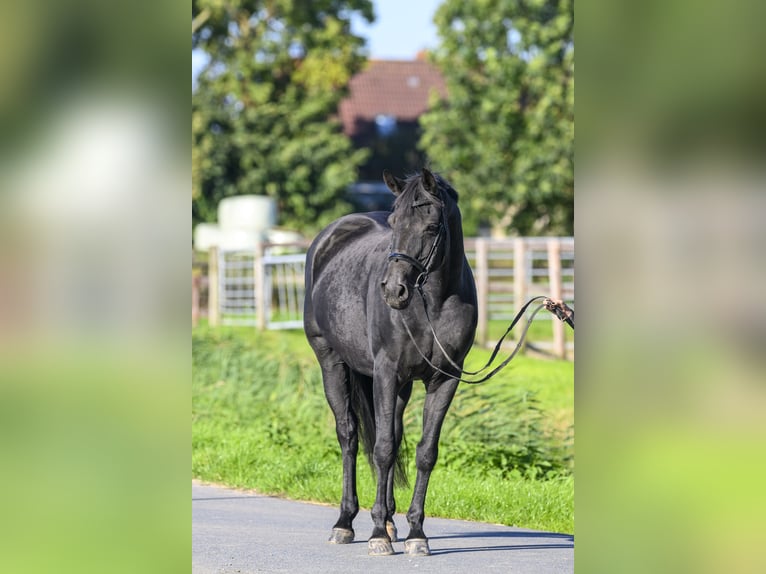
x=361 y=273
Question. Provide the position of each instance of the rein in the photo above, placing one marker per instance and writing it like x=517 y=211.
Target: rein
x=559 y=308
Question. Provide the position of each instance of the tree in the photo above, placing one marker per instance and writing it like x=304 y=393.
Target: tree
x=263 y=107
x=505 y=134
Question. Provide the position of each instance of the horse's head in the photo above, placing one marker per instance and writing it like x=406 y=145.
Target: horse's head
x=419 y=234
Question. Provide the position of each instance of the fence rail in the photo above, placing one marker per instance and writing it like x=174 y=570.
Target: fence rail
x=265 y=287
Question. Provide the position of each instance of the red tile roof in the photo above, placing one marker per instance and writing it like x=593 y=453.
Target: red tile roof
x=391 y=87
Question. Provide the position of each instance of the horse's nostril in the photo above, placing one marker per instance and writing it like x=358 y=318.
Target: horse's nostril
x=402 y=292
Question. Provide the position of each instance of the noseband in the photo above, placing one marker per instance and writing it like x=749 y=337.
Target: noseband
x=424 y=267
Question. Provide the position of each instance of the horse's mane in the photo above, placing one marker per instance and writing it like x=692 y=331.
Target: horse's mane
x=412 y=184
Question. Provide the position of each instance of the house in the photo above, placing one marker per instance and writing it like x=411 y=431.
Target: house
x=381 y=114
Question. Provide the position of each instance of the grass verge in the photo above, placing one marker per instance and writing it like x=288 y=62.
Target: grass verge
x=260 y=420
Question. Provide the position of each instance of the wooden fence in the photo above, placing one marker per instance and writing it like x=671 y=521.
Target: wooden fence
x=507 y=272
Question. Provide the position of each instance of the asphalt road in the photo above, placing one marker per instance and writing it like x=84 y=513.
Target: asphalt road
x=244 y=532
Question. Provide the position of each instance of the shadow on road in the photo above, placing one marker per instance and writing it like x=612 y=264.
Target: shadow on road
x=501 y=548
x=567 y=541
x=502 y=534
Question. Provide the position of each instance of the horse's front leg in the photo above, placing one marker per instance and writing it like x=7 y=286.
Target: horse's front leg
x=438 y=398
x=384 y=454
x=403 y=397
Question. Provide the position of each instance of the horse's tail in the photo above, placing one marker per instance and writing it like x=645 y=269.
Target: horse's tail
x=364 y=407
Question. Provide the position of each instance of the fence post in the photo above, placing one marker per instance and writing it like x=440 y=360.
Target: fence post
x=213 y=309
x=259 y=280
x=519 y=277
x=196 y=284
x=482 y=288
x=554 y=278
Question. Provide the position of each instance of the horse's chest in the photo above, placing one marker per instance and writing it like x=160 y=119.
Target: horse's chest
x=439 y=340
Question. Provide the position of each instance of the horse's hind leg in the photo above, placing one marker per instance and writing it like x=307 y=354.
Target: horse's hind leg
x=335 y=376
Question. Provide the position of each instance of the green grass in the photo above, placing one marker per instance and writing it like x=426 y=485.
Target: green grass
x=260 y=420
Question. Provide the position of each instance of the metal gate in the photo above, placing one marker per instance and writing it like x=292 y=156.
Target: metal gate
x=261 y=288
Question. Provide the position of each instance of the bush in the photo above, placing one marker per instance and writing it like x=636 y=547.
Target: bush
x=502 y=429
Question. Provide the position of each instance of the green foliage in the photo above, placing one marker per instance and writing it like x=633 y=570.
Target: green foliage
x=507 y=427
x=513 y=439
x=260 y=420
x=263 y=106
x=505 y=135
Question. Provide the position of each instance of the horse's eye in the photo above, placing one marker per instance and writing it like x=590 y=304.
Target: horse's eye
x=432 y=229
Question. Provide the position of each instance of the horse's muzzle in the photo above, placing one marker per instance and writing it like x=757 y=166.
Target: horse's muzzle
x=396 y=294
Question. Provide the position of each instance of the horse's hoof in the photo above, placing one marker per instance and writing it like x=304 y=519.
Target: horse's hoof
x=379 y=547
x=417 y=547
x=392 y=533
x=341 y=536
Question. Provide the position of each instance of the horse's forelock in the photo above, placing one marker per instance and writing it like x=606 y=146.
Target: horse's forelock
x=412 y=184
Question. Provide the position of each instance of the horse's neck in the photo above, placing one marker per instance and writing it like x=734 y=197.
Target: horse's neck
x=448 y=277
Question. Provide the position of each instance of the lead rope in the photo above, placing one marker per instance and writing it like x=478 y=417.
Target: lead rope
x=559 y=308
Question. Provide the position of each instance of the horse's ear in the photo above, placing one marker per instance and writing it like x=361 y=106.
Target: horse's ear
x=429 y=182
x=394 y=184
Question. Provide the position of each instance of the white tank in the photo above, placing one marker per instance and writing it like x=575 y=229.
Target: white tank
x=252 y=212
x=207 y=235
x=282 y=236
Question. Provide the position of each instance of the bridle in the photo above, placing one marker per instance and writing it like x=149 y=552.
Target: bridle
x=424 y=267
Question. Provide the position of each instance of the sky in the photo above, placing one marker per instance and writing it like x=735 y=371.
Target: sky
x=401 y=29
